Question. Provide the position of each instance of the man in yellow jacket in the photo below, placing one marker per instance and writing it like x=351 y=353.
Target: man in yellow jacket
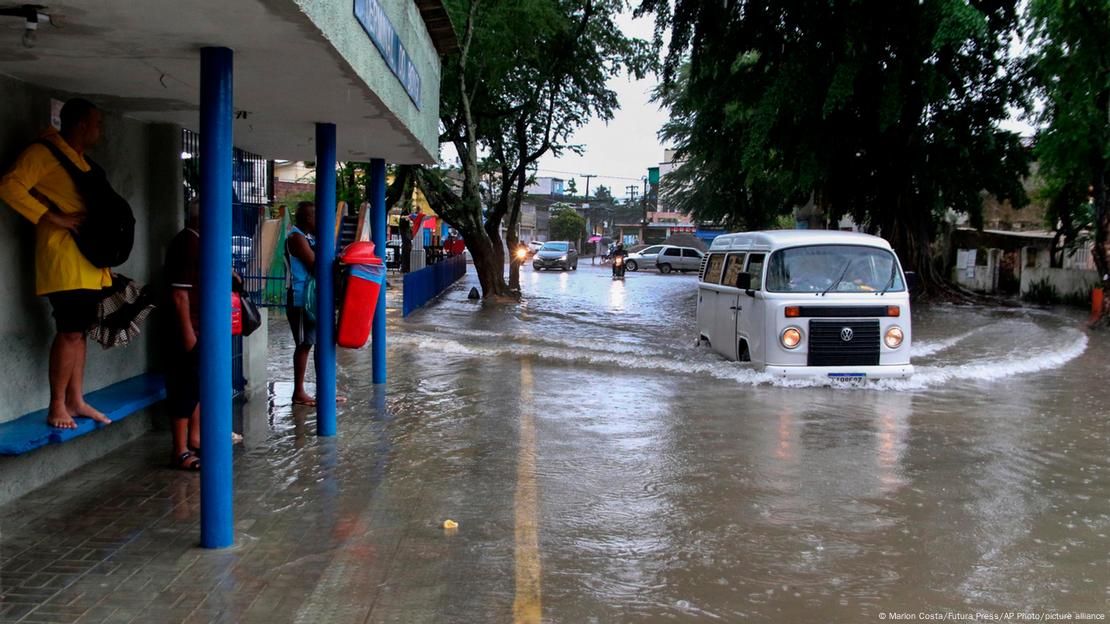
x=62 y=274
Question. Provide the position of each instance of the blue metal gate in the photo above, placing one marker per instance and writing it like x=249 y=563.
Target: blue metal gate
x=252 y=195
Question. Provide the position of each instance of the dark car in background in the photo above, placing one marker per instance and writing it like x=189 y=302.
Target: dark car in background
x=556 y=255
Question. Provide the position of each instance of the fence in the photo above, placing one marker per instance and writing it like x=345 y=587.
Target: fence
x=252 y=193
x=422 y=286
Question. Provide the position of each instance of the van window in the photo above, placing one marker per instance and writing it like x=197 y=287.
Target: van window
x=672 y=251
x=733 y=268
x=650 y=251
x=755 y=267
x=713 y=268
x=838 y=268
x=691 y=253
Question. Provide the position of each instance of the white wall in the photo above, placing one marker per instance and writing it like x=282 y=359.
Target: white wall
x=1068 y=282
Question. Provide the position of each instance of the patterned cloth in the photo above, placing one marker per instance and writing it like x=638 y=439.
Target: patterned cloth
x=124 y=307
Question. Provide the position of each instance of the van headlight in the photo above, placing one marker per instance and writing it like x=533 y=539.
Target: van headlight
x=894 y=337
x=791 y=337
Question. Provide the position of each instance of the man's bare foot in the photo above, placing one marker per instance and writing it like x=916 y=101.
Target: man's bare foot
x=84 y=410
x=58 y=417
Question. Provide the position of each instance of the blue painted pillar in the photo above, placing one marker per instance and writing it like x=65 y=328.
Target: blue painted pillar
x=378 y=228
x=216 y=519
x=325 y=279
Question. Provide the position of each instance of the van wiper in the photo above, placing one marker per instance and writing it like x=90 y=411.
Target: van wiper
x=890 y=282
x=838 y=280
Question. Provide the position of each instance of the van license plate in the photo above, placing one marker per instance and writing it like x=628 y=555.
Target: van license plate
x=847 y=375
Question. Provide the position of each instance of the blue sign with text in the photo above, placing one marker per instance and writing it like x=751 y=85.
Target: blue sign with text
x=371 y=15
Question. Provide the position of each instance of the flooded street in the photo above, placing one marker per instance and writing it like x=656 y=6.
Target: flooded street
x=603 y=468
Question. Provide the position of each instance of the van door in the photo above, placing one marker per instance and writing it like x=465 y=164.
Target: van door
x=750 y=312
x=708 y=295
x=724 y=330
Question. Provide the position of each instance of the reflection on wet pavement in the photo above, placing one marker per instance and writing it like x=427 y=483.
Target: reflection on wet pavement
x=673 y=484
x=602 y=468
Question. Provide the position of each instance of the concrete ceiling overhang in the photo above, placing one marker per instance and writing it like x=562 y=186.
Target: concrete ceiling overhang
x=141 y=58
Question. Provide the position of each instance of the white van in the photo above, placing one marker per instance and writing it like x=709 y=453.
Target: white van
x=807 y=303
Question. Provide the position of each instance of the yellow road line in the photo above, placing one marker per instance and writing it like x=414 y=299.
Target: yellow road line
x=527 y=605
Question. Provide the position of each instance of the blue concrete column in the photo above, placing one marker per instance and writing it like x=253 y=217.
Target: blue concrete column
x=216 y=519
x=325 y=279
x=378 y=228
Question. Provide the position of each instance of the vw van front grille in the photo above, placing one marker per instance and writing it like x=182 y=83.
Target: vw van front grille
x=843 y=343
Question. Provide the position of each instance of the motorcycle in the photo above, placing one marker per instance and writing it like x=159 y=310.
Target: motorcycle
x=618 y=267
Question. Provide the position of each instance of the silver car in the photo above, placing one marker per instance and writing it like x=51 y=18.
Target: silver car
x=681 y=259
x=645 y=258
x=556 y=255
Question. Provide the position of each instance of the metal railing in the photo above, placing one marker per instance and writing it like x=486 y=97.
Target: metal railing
x=422 y=286
x=252 y=190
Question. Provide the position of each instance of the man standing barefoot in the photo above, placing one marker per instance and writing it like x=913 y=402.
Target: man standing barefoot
x=62 y=273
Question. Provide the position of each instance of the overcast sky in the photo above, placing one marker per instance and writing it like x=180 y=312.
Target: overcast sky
x=619 y=152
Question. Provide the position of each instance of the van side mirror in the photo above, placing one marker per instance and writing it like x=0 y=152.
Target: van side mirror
x=913 y=282
x=744 y=281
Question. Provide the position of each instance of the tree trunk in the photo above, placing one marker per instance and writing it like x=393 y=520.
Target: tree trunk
x=911 y=234
x=513 y=241
x=462 y=215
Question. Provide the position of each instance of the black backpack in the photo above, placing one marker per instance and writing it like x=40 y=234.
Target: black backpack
x=107 y=234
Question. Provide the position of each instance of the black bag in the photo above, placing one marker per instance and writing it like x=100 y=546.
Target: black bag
x=107 y=234
x=251 y=317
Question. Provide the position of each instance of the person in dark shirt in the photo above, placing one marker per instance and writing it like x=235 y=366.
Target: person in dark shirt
x=183 y=372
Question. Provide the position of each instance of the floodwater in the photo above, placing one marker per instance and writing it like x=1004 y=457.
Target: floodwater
x=603 y=468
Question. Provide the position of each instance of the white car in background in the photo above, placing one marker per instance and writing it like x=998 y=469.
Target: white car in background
x=645 y=258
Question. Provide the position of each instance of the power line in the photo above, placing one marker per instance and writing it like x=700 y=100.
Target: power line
x=592 y=175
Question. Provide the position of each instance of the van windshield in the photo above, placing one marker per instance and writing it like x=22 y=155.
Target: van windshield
x=554 y=247
x=836 y=268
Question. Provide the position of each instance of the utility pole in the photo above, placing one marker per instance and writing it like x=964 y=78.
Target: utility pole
x=588 y=176
x=631 y=188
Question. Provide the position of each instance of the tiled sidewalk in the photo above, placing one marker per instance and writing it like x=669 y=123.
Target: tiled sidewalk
x=346 y=529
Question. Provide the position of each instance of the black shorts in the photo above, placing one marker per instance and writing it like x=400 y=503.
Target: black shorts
x=304 y=329
x=75 y=310
x=183 y=382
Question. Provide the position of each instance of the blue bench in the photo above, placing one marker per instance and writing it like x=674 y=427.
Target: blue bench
x=117 y=401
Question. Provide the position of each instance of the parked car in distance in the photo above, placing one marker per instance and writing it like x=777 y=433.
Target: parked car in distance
x=644 y=258
x=556 y=255
x=682 y=259
x=534 y=246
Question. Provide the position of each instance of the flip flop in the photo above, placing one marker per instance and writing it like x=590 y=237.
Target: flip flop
x=235 y=439
x=308 y=403
x=182 y=462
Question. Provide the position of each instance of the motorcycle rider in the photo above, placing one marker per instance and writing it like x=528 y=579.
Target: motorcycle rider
x=619 y=252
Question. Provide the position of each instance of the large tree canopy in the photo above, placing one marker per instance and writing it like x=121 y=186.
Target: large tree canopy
x=529 y=73
x=1070 y=67
x=884 y=110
